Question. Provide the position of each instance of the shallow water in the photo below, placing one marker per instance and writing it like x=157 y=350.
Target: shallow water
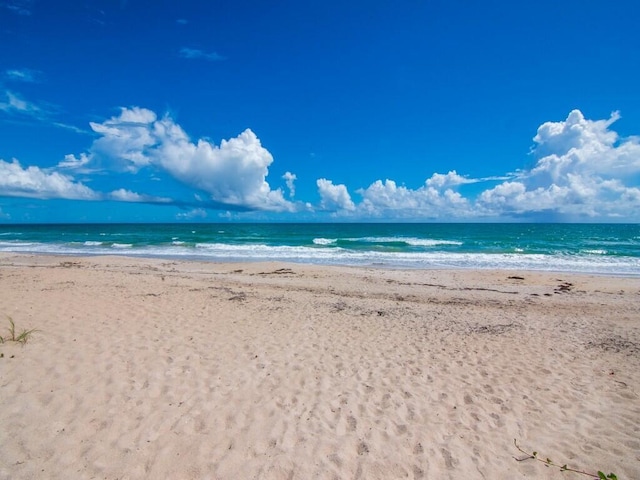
x=610 y=249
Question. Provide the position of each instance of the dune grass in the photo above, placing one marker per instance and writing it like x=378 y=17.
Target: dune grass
x=22 y=337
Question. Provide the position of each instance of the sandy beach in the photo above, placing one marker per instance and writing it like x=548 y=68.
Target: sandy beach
x=151 y=368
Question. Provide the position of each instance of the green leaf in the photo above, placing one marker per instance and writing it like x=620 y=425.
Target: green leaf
x=549 y=460
x=601 y=475
x=535 y=454
x=563 y=467
x=612 y=476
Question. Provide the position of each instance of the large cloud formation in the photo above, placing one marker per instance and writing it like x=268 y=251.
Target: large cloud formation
x=580 y=173
x=583 y=170
x=232 y=174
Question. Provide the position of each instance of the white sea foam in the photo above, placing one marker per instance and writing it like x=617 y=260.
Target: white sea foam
x=427 y=242
x=15 y=243
x=341 y=256
x=90 y=243
x=324 y=241
x=121 y=245
x=418 y=242
x=585 y=263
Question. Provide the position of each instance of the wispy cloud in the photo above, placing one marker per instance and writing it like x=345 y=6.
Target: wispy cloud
x=26 y=75
x=19 y=7
x=71 y=128
x=16 y=106
x=196 y=54
x=78 y=164
x=192 y=214
x=14 y=103
x=123 y=195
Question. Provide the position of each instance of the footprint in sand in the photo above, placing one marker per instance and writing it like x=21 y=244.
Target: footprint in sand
x=352 y=423
x=363 y=448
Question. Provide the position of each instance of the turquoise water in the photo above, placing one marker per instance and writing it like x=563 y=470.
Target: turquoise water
x=590 y=248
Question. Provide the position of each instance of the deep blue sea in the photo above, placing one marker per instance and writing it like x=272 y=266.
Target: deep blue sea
x=608 y=249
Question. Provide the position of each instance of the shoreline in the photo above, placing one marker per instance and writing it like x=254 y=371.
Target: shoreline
x=381 y=266
x=157 y=368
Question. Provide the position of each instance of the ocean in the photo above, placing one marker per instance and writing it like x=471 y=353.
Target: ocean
x=607 y=249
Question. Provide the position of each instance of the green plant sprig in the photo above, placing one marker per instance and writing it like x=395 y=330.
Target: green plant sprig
x=21 y=337
x=563 y=468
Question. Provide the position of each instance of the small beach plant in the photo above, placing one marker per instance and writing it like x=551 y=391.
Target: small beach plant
x=21 y=337
x=563 y=468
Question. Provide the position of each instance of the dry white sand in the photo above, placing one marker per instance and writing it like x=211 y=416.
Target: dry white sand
x=157 y=369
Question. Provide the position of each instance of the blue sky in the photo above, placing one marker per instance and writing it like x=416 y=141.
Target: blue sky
x=437 y=110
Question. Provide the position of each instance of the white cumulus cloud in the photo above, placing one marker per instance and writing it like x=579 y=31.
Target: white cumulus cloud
x=387 y=199
x=34 y=182
x=192 y=214
x=124 y=195
x=232 y=173
x=290 y=179
x=451 y=179
x=125 y=139
x=581 y=170
x=334 y=197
